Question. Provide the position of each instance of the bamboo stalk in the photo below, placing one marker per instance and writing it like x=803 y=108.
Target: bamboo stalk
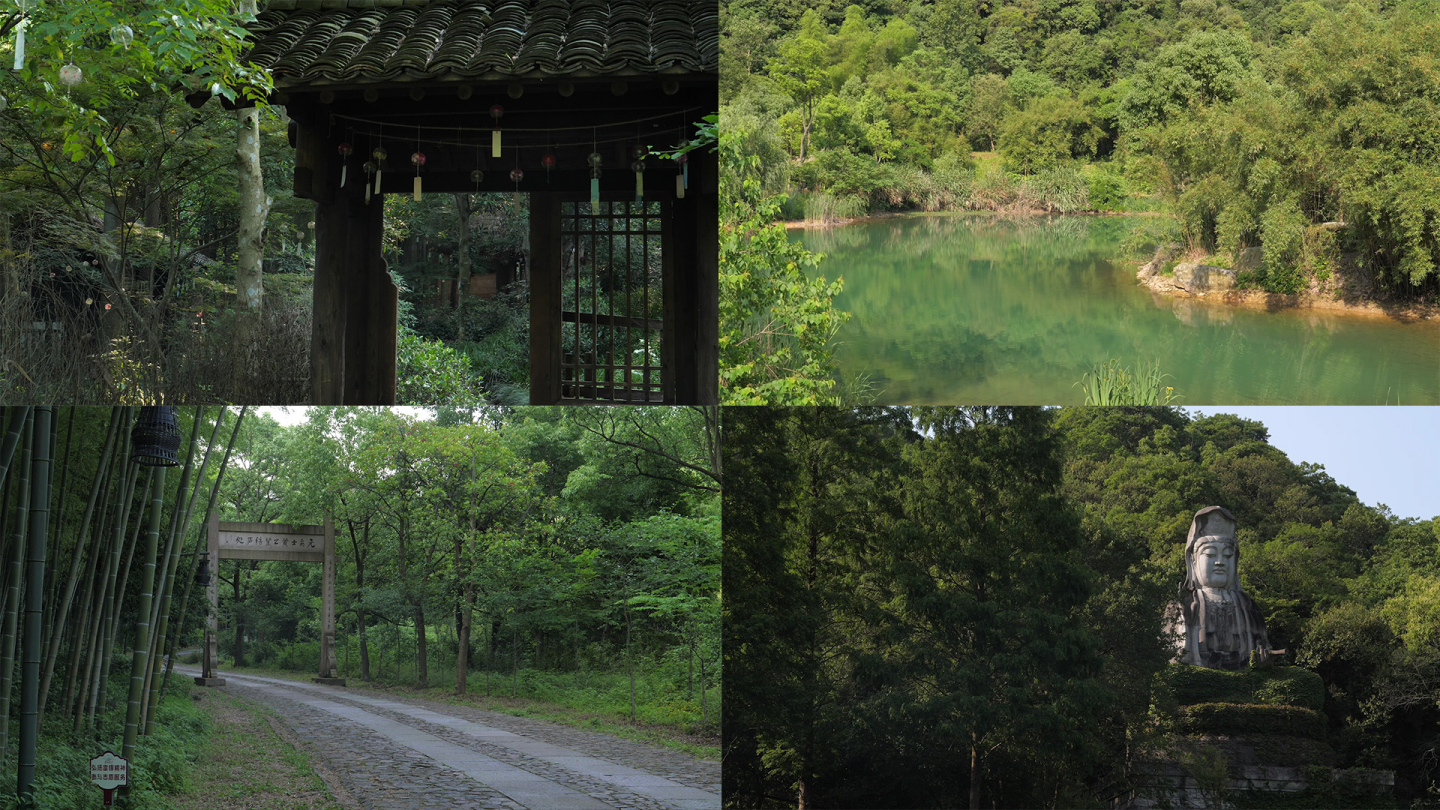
x=215 y=564
x=172 y=556
x=34 y=602
x=62 y=610
x=142 y=628
x=12 y=598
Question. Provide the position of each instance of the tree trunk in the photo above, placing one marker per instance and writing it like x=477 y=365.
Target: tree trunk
x=974 y=772
x=422 y=670
x=254 y=207
x=462 y=262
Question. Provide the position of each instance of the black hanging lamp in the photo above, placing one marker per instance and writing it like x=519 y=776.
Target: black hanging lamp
x=155 y=439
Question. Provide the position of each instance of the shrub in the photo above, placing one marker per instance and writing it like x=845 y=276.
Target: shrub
x=1060 y=189
x=1239 y=719
x=1290 y=686
x=431 y=373
x=1107 y=191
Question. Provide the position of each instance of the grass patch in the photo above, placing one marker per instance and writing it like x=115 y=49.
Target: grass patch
x=588 y=702
x=160 y=769
x=248 y=765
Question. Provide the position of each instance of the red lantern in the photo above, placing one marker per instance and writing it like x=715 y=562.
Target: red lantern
x=548 y=161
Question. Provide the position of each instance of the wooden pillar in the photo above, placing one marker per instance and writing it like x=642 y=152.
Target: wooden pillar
x=328 y=667
x=327 y=340
x=210 y=655
x=371 y=306
x=357 y=304
x=544 y=273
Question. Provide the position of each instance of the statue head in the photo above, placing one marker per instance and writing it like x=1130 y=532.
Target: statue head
x=1212 y=555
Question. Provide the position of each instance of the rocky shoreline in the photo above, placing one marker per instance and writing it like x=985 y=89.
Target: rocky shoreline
x=1195 y=280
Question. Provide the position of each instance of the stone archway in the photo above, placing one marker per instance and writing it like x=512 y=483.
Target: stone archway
x=271 y=541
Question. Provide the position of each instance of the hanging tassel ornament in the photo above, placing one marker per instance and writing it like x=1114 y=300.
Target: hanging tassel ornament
x=20 y=43
x=370 y=169
x=345 y=150
x=682 y=178
x=549 y=163
x=638 y=166
x=419 y=160
x=495 y=112
x=516 y=175
x=594 y=161
x=380 y=154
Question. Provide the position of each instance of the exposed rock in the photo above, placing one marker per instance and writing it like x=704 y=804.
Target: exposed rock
x=1203 y=278
x=1250 y=258
x=1162 y=255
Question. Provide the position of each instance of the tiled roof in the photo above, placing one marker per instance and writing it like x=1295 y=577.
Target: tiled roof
x=362 y=41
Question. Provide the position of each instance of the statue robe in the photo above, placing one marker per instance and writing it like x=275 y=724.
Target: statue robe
x=1219 y=634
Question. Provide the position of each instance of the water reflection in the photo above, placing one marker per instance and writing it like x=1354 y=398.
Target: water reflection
x=981 y=309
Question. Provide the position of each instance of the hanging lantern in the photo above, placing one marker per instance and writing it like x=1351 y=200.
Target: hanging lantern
x=155 y=438
x=549 y=163
x=638 y=166
x=202 y=576
x=71 y=75
x=495 y=112
x=475 y=177
x=419 y=160
x=345 y=150
x=370 y=169
x=594 y=161
x=122 y=35
x=380 y=154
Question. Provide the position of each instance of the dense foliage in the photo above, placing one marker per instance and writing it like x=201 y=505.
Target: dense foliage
x=120 y=211
x=1257 y=121
x=532 y=552
x=951 y=607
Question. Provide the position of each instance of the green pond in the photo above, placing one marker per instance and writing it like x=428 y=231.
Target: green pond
x=967 y=309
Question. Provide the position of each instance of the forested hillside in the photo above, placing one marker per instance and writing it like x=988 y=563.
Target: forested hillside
x=1310 y=128
x=963 y=606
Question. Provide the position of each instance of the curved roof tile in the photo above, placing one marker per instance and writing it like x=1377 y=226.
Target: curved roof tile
x=328 y=41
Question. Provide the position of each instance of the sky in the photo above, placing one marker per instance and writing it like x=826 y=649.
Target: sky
x=1386 y=455
x=291 y=416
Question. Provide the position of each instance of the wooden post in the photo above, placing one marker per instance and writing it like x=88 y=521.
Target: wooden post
x=328 y=674
x=210 y=655
x=544 y=272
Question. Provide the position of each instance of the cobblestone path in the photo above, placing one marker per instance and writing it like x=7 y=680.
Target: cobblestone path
x=414 y=754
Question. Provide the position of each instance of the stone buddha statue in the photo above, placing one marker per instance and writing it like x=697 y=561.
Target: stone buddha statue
x=1222 y=625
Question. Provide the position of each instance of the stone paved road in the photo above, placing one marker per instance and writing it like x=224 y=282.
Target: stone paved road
x=415 y=754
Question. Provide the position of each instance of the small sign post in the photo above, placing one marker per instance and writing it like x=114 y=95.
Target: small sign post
x=109 y=772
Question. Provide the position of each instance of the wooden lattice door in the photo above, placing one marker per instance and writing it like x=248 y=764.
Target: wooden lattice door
x=614 y=341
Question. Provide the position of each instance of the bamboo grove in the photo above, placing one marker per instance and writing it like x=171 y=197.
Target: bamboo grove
x=94 y=549
x=518 y=551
